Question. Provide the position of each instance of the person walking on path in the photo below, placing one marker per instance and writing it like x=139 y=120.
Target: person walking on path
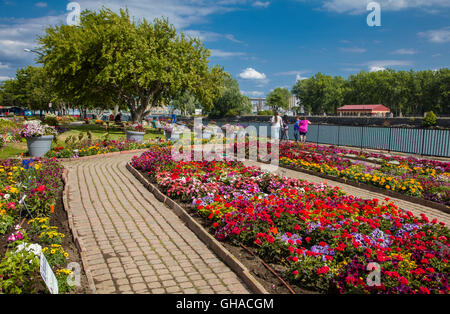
x=276 y=126
x=284 y=128
x=303 y=129
x=296 y=126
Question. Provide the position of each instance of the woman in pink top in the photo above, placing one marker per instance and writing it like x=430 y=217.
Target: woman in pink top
x=303 y=129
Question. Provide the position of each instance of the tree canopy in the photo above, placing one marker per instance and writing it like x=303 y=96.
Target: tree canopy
x=110 y=58
x=278 y=98
x=30 y=89
x=406 y=92
x=231 y=102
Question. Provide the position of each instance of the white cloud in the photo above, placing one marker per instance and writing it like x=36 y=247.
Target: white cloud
x=294 y=72
x=404 y=52
x=16 y=34
x=231 y=37
x=253 y=93
x=252 y=74
x=359 y=6
x=298 y=77
x=380 y=65
x=225 y=54
x=261 y=4
x=205 y=36
x=180 y=13
x=353 y=49
x=376 y=69
x=437 y=36
x=5 y=78
x=41 y=4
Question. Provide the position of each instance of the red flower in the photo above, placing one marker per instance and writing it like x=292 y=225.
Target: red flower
x=402 y=280
x=323 y=270
x=41 y=188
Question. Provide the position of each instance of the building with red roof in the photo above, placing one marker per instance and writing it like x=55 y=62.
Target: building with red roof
x=363 y=110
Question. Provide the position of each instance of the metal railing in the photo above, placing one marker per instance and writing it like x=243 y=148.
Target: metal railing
x=420 y=141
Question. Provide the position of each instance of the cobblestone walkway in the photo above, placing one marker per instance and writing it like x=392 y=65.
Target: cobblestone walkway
x=416 y=209
x=134 y=243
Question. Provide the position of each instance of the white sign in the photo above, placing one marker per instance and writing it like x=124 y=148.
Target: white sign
x=48 y=275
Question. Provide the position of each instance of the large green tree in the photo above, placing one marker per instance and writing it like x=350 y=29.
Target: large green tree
x=231 y=102
x=278 y=98
x=138 y=63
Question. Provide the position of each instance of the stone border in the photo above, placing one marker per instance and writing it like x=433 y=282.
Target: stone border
x=371 y=188
x=103 y=155
x=232 y=262
x=78 y=242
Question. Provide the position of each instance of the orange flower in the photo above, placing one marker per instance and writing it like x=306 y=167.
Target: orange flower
x=52 y=208
x=274 y=230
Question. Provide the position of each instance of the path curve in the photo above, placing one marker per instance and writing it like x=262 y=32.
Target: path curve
x=133 y=242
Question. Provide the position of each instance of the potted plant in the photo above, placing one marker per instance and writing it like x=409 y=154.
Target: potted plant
x=168 y=129
x=39 y=138
x=135 y=132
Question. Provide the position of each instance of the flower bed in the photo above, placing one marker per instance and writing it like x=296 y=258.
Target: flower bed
x=325 y=239
x=32 y=222
x=98 y=147
x=421 y=178
x=414 y=177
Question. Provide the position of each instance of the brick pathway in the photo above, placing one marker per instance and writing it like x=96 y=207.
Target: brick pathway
x=133 y=242
x=416 y=209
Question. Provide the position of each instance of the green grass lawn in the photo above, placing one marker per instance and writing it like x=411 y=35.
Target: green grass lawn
x=11 y=150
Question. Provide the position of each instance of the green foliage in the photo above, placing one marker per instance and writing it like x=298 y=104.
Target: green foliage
x=279 y=98
x=408 y=92
x=110 y=56
x=232 y=103
x=51 y=119
x=429 y=120
x=6 y=221
x=185 y=102
x=265 y=113
x=19 y=272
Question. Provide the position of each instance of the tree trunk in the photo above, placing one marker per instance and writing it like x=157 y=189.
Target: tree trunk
x=139 y=109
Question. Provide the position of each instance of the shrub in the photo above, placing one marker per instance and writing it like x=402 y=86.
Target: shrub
x=265 y=113
x=232 y=113
x=429 y=120
x=51 y=119
x=19 y=270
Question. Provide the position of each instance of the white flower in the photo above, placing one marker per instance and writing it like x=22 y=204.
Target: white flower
x=6 y=196
x=35 y=248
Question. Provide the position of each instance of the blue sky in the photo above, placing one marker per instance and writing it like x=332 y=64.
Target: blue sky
x=267 y=43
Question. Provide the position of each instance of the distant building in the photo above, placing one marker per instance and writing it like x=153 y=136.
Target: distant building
x=363 y=110
x=259 y=104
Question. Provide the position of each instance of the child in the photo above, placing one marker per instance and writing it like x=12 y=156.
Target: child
x=296 y=126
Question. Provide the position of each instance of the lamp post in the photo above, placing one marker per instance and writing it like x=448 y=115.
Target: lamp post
x=32 y=50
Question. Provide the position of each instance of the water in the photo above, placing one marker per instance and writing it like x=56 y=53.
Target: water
x=414 y=141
